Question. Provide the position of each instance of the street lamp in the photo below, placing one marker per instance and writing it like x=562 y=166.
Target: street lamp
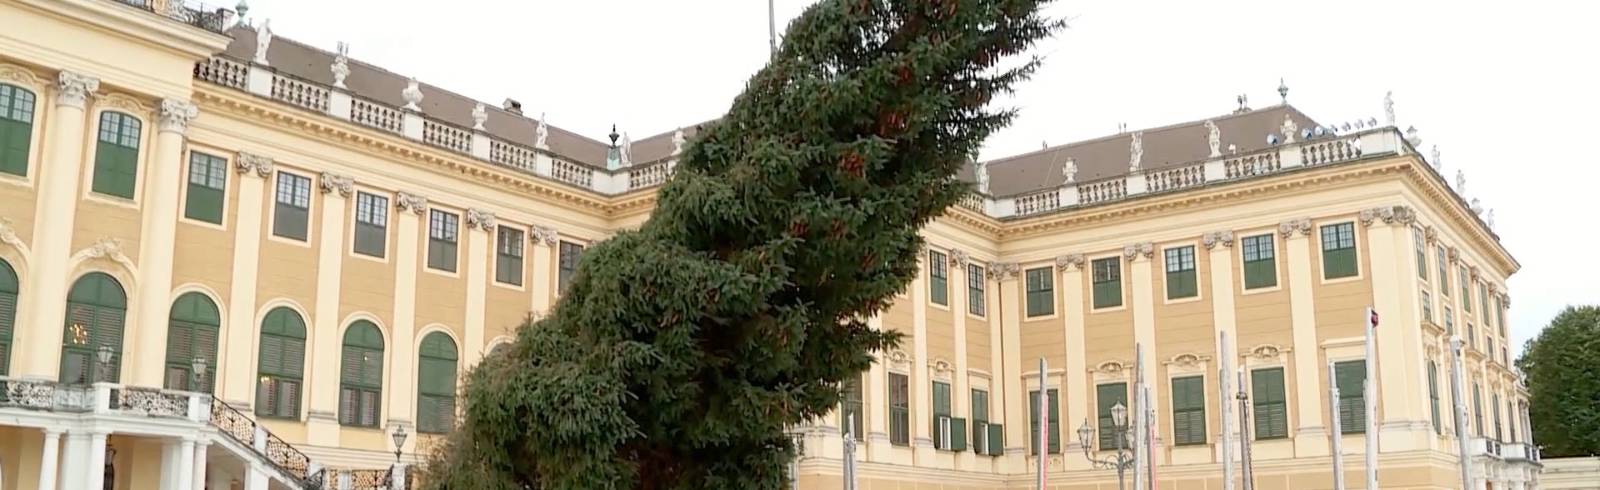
x=399 y=441
x=1123 y=459
x=104 y=356
x=197 y=369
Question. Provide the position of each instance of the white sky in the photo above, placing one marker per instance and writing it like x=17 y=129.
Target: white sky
x=1503 y=89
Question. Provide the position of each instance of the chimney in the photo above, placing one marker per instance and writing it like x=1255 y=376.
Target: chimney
x=512 y=106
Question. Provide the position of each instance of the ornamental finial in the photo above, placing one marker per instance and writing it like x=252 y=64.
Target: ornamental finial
x=1283 y=91
x=412 y=94
x=341 y=65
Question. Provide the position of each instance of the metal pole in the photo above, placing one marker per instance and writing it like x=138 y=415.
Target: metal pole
x=1336 y=435
x=1370 y=397
x=1456 y=388
x=1227 y=422
x=1150 y=441
x=1138 y=418
x=1043 y=444
x=1122 y=455
x=772 y=28
x=1248 y=481
x=850 y=452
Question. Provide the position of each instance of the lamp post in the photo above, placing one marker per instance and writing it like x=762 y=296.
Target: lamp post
x=1123 y=459
x=399 y=441
x=103 y=354
x=197 y=370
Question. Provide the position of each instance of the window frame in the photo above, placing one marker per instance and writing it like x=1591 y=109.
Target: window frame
x=12 y=111
x=1180 y=439
x=1259 y=400
x=1353 y=425
x=441 y=223
x=977 y=301
x=1043 y=293
x=1099 y=282
x=1420 y=247
x=938 y=279
x=427 y=425
x=567 y=271
x=1034 y=418
x=279 y=206
x=899 y=398
x=1338 y=249
x=1186 y=269
x=1104 y=426
x=1264 y=258
x=375 y=206
x=362 y=386
x=278 y=378
x=187 y=214
x=194 y=325
x=136 y=153
x=502 y=256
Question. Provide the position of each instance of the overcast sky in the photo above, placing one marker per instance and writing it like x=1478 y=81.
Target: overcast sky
x=1506 y=91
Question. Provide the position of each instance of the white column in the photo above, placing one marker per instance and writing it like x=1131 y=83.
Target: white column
x=185 y=465
x=46 y=283
x=921 y=390
x=74 y=467
x=402 y=357
x=201 y=459
x=1076 y=402
x=255 y=477
x=1220 y=245
x=157 y=233
x=545 y=240
x=1016 y=398
x=95 y=471
x=1139 y=257
x=50 y=460
x=1309 y=435
x=236 y=365
x=480 y=240
x=323 y=414
x=961 y=394
x=877 y=401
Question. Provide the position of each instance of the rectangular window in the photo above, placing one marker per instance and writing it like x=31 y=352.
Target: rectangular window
x=980 y=421
x=949 y=433
x=1483 y=305
x=1107 y=396
x=1472 y=336
x=1350 y=376
x=1449 y=321
x=1041 y=292
x=207 y=180
x=1466 y=292
x=975 y=299
x=899 y=409
x=1500 y=316
x=508 y=255
x=1477 y=410
x=116 y=160
x=372 y=224
x=1427 y=307
x=1107 y=282
x=571 y=253
x=1420 y=244
x=1433 y=394
x=1055 y=421
x=1444 y=271
x=852 y=411
x=938 y=278
x=1260 y=262
x=1181 y=280
x=291 y=215
x=443 y=234
x=1188 y=410
x=1339 y=251
x=1270 y=403
x=16 y=129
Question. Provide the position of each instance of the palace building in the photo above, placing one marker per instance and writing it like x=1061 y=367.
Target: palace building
x=233 y=261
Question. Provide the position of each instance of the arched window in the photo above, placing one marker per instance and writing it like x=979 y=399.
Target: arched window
x=282 y=364
x=116 y=158
x=16 y=129
x=436 y=384
x=96 y=308
x=192 y=334
x=361 y=376
x=499 y=348
x=8 y=312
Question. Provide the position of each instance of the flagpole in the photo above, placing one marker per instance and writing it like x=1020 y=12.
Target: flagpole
x=1248 y=480
x=1227 y=419
x=1370 y=397
x=1139 y=428
x=850 y=452
x=1457 y=389
x=1336 y=433
x=1043 y=444
x=772 y=28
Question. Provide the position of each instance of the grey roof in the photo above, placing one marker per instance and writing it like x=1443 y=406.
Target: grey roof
x=1098 y=158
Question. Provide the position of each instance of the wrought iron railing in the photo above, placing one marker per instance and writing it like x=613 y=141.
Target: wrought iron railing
x=214 y=19
x=45 y=395
x=151 y=402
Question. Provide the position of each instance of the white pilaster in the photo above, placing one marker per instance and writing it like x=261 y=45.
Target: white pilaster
x=322 y=417
x=545 y=240
x=50 y=460
x=157 y=232
x=877 y=404
x=921 y=390
x=237 y=365
x=1224 y=321
x=408 y=216
x=1309 y=435
x=961 y=393
x=1139 y=257
x=1077 y=401
x=1016 y=421
x=39 y=345
x=480 y=240
x=1403 y=414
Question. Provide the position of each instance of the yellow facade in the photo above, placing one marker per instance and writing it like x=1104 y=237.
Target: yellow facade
x=84 y=58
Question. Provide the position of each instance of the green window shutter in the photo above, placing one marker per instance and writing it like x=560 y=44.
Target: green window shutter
x=1477 y=410
x=852 y=409
x=1433 y=394
x=204 y=204
x=1041 y=292
x=980 y=420
x=1107 y=274
x=436 y=383
x=997 y=439
x=15 y=140
x=899 y=409
x=941 y=398
x=96 y=307
x=1420 y=244
x=281 y=364
x=1055 y=421
x=958 y=434
x=443 y=229
x=1188 y=410
x=1180 y=268
x=1350 y=376
x=508 y=256
x=975 y=299
x=1260 y=262
x=938 y=278
x=292 y=207
x=372 y=225
x=206 y=187
x=1269 y=403
x=9 y=288
x=361 y=375
x=116 y=165
x=1107 y=396
x=1339 y=251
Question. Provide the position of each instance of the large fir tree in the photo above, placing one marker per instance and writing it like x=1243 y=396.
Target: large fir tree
x=680 y=352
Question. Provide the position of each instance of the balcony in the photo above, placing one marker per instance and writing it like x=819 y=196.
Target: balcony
x=214 y=19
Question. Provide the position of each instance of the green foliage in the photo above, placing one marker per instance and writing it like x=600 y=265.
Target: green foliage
x=1562 y=366
x=680 y=352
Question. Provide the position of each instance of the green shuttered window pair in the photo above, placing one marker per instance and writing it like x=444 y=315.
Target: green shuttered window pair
x=980 y=421
x=361 y=375
x=436 y=384
x=281 y=368
x=949 y=432
x=16 y=129
x=1055 y=421
x=1269 y=403
x=191 y=335
x=1107 y=274
x=96 y=311
x=1041 y=292
x=1260 y=262
x=1188 y=410
x=1181 y=278
x=938 y=278
x=1339 y=251
x=116 y=158
x=208 y=178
